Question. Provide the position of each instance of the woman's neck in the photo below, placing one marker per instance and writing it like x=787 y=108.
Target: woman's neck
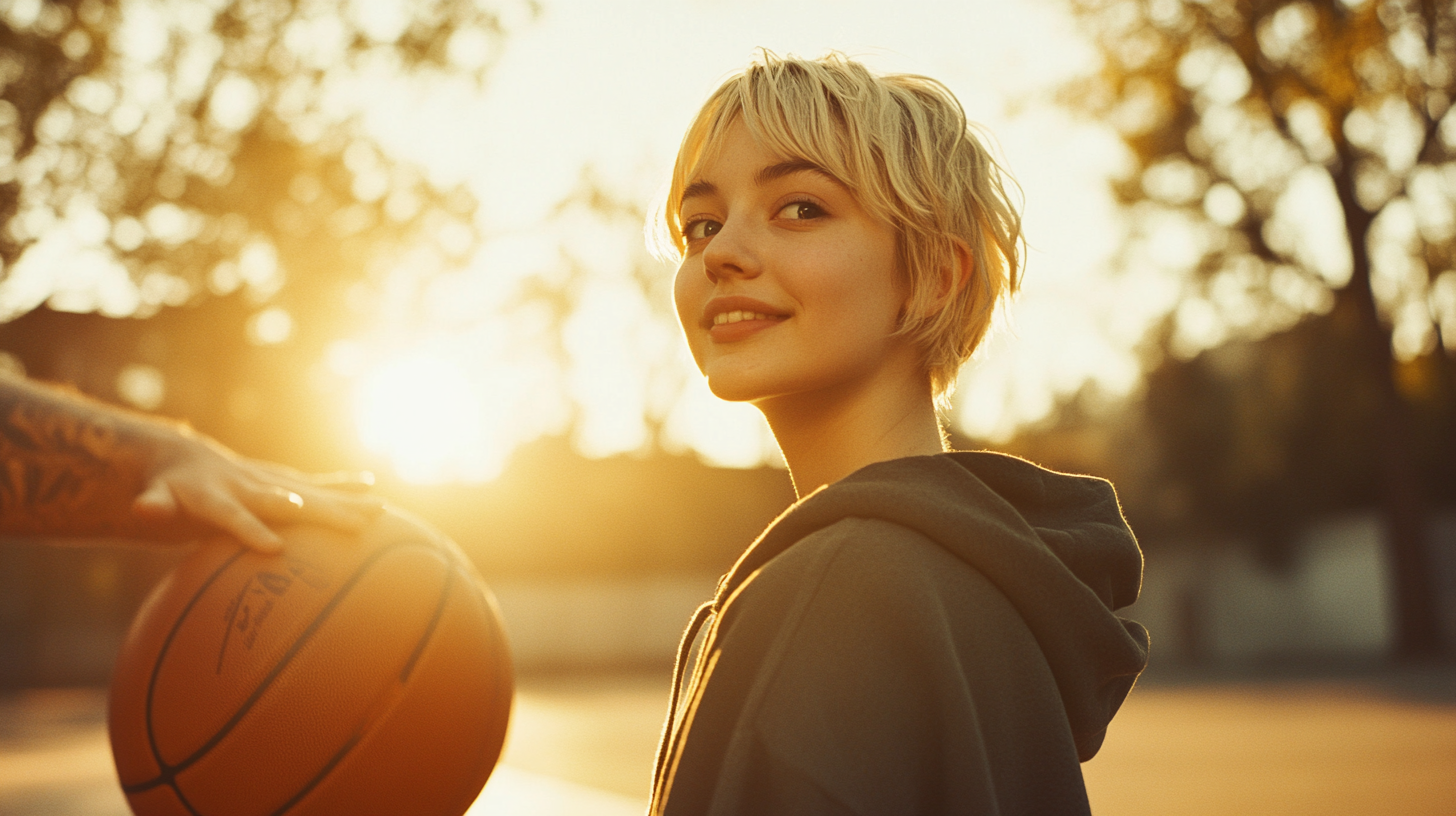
x=825 y=437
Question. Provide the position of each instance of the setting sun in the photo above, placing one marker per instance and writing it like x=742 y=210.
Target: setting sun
x=432 y=421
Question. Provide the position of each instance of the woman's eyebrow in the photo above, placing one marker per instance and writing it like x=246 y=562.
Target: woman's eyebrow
x=788 y=168
x=699 y=188
x=762 y=177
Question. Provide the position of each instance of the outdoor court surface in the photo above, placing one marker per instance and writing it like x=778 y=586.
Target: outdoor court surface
x=1365 y=745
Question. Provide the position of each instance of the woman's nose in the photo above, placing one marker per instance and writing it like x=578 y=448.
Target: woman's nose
x=731 y=253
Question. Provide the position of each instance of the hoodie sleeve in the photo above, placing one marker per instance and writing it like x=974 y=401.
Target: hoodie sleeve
x=868 y=671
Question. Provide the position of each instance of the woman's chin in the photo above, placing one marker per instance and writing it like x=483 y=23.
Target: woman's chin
x=736 y=386
x=732 y=391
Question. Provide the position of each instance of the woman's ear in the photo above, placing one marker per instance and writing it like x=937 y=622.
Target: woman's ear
x=955 y=273
x=952 y=276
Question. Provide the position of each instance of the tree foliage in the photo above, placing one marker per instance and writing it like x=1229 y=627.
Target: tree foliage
x=155 y=151
x=1295 y=147
x=1293 y=162
x=211 y=156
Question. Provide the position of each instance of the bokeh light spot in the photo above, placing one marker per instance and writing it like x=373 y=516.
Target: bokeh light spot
x=270 y=327
x=141 y=386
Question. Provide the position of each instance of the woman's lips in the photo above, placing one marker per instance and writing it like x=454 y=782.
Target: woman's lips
x=737 y=325
x=729 y=319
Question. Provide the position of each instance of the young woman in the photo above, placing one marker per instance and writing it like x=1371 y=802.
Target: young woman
x=922 y=632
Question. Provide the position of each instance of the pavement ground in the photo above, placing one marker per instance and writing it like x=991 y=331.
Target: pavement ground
x=1369 y=745
x=1382 y=745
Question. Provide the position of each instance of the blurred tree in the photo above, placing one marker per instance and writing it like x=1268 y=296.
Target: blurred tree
x=1269 y=433
x=1289 y=158
x=158 y=153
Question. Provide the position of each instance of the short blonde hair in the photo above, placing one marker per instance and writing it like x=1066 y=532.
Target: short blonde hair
x=902 y=145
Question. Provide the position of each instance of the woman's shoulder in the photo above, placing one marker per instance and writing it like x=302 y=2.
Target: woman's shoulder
x=854 y=546
x=858 y=562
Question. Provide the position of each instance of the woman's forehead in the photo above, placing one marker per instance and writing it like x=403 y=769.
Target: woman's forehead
x=751 y=152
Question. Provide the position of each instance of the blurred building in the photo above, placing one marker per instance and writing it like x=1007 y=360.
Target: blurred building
x=1226 y=604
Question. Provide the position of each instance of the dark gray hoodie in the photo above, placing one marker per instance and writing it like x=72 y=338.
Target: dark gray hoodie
x=928 y=635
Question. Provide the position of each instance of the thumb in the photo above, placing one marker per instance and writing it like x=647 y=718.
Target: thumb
x=156 y=501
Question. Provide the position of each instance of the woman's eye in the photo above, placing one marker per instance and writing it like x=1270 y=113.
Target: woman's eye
x=702 y=228
x=801 y=210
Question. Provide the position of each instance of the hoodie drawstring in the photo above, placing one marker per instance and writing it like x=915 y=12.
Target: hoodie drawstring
x=679 y=666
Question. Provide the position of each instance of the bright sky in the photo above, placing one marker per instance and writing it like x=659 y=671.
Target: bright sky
x=447 y=391
x=613 y=85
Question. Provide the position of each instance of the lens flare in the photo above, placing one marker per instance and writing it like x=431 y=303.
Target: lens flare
x=431 y=420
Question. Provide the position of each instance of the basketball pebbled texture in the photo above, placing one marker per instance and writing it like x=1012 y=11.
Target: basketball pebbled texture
x=349 y=675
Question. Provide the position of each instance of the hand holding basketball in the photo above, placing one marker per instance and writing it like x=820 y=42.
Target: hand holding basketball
x=191 y=475
x=347 y=674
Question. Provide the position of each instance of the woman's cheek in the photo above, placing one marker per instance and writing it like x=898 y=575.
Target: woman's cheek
x=688 y=296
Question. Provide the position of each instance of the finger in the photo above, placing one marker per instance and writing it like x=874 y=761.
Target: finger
x=293 y=501
x=349 y=481
x=341 y=510
x=344 y=511
x=271 y=502
x=229 y=515
x=156 y=502
x=271 y=472
x=325 y=506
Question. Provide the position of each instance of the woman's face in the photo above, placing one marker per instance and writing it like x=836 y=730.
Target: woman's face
x=788 y=287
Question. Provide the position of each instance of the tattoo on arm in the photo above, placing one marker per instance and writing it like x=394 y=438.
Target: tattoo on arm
x=66 y=466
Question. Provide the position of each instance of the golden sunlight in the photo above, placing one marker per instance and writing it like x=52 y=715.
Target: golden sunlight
x=430 y=420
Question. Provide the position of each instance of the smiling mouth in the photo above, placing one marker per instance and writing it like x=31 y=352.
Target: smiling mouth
x=725 y=318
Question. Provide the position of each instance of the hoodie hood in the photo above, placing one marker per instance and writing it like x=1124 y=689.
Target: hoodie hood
x=1055 y=544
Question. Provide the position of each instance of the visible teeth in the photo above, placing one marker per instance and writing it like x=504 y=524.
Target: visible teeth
x=725 y=318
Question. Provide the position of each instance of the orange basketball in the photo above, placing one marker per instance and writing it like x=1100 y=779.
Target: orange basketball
x=349 y=675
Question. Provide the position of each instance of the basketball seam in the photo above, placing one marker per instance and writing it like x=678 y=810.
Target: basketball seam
x=409 y=665
x=319 y=777
x=169 y=772
x=450 y=570
x=504 y=690
x=156 y=668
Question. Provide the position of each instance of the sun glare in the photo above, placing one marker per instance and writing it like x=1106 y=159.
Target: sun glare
x=431 y=420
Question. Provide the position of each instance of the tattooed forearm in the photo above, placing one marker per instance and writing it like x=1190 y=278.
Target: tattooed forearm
x=69 y=467
x=73 y=467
